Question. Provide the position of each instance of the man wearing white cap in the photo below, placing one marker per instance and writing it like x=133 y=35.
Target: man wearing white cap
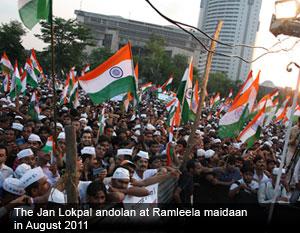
x=141 y=161
x=17 y=126
x=13 y=188
x=35 y=182
x=34 y=142
x=266 y=190
x=21 y=170
x=26 y=156
x=88 y=155
x=123 y=154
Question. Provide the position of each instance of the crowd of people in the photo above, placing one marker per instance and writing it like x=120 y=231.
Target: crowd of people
x=131 y=154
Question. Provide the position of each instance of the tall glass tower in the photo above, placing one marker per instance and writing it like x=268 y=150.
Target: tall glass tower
x=241 y=22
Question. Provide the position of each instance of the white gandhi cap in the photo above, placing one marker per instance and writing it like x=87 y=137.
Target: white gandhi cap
x=21 y=170
x=14 y=186
x=143 y=154
x=32 y=176
x=24 y=153
x=121 y=173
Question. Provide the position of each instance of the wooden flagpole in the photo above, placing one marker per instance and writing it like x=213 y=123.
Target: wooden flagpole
x=191 y=140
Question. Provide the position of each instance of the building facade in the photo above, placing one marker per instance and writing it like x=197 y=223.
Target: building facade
x=240 y=25
x=114 y=31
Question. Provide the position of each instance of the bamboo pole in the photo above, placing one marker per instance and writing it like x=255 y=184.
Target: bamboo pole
x=71 y=169
x=53 y=74
x=191 y=140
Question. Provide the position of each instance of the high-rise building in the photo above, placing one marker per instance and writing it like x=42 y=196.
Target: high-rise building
x=113 y=32
x=240 y=25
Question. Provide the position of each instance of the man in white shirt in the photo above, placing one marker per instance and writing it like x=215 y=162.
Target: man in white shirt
x=266 y=191
x=245 y=189
x=259 y=175
x=296 y=177
x=142 y=172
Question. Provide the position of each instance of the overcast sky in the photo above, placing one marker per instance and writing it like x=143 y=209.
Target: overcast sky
x=273 y=66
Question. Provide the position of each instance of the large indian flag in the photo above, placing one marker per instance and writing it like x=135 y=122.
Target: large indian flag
x=112 y=78
x=252 y=131
x=233 y=121
x=32 y=11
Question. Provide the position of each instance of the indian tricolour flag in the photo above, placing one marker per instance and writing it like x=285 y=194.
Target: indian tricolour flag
x=64 y=95
x=167 y=85
x=34 y=109
x=195 y=99
x=31 y=77
x=73 y=100
x=6 y=66
x=5 y=84
x=112 y=78
x=267 y=101
x=281 y=113
x=232 y=122
x=36 y=65
x=185 y=94
x=48 y=148
x=16 y=85
x=32 y=11
x=245 y=86
x=85 y=69
x=146 y=87
x=23 y=81
x=252 y=131
x=271 y=113
x=174 y=109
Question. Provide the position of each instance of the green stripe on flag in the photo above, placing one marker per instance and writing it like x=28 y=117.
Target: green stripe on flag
x=233 y=130
x=33 y=11
x=118 y=87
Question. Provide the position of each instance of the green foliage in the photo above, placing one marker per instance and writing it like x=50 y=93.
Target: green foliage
x=70 y=40
x=219 y=82
x=156 y=64
x=10 y=41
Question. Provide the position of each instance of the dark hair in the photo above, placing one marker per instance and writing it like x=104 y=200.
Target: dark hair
x=4 y=148
x=153 y=143
x=103 y=138
x=94 y=188
x=191 y=164
x=34 y=185
x=153 y=158
x=182 y=142
x=247 y=168
x=257 y=158
x=231 y=159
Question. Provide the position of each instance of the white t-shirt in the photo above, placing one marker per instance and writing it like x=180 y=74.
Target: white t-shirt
x=253 y=185
x=296 y=174
x=264 y=179
x=148 y=173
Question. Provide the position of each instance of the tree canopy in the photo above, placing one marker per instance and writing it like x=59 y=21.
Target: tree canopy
x=71 y=38
x=11 y=41
x=219 y=82
x=156 y=64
